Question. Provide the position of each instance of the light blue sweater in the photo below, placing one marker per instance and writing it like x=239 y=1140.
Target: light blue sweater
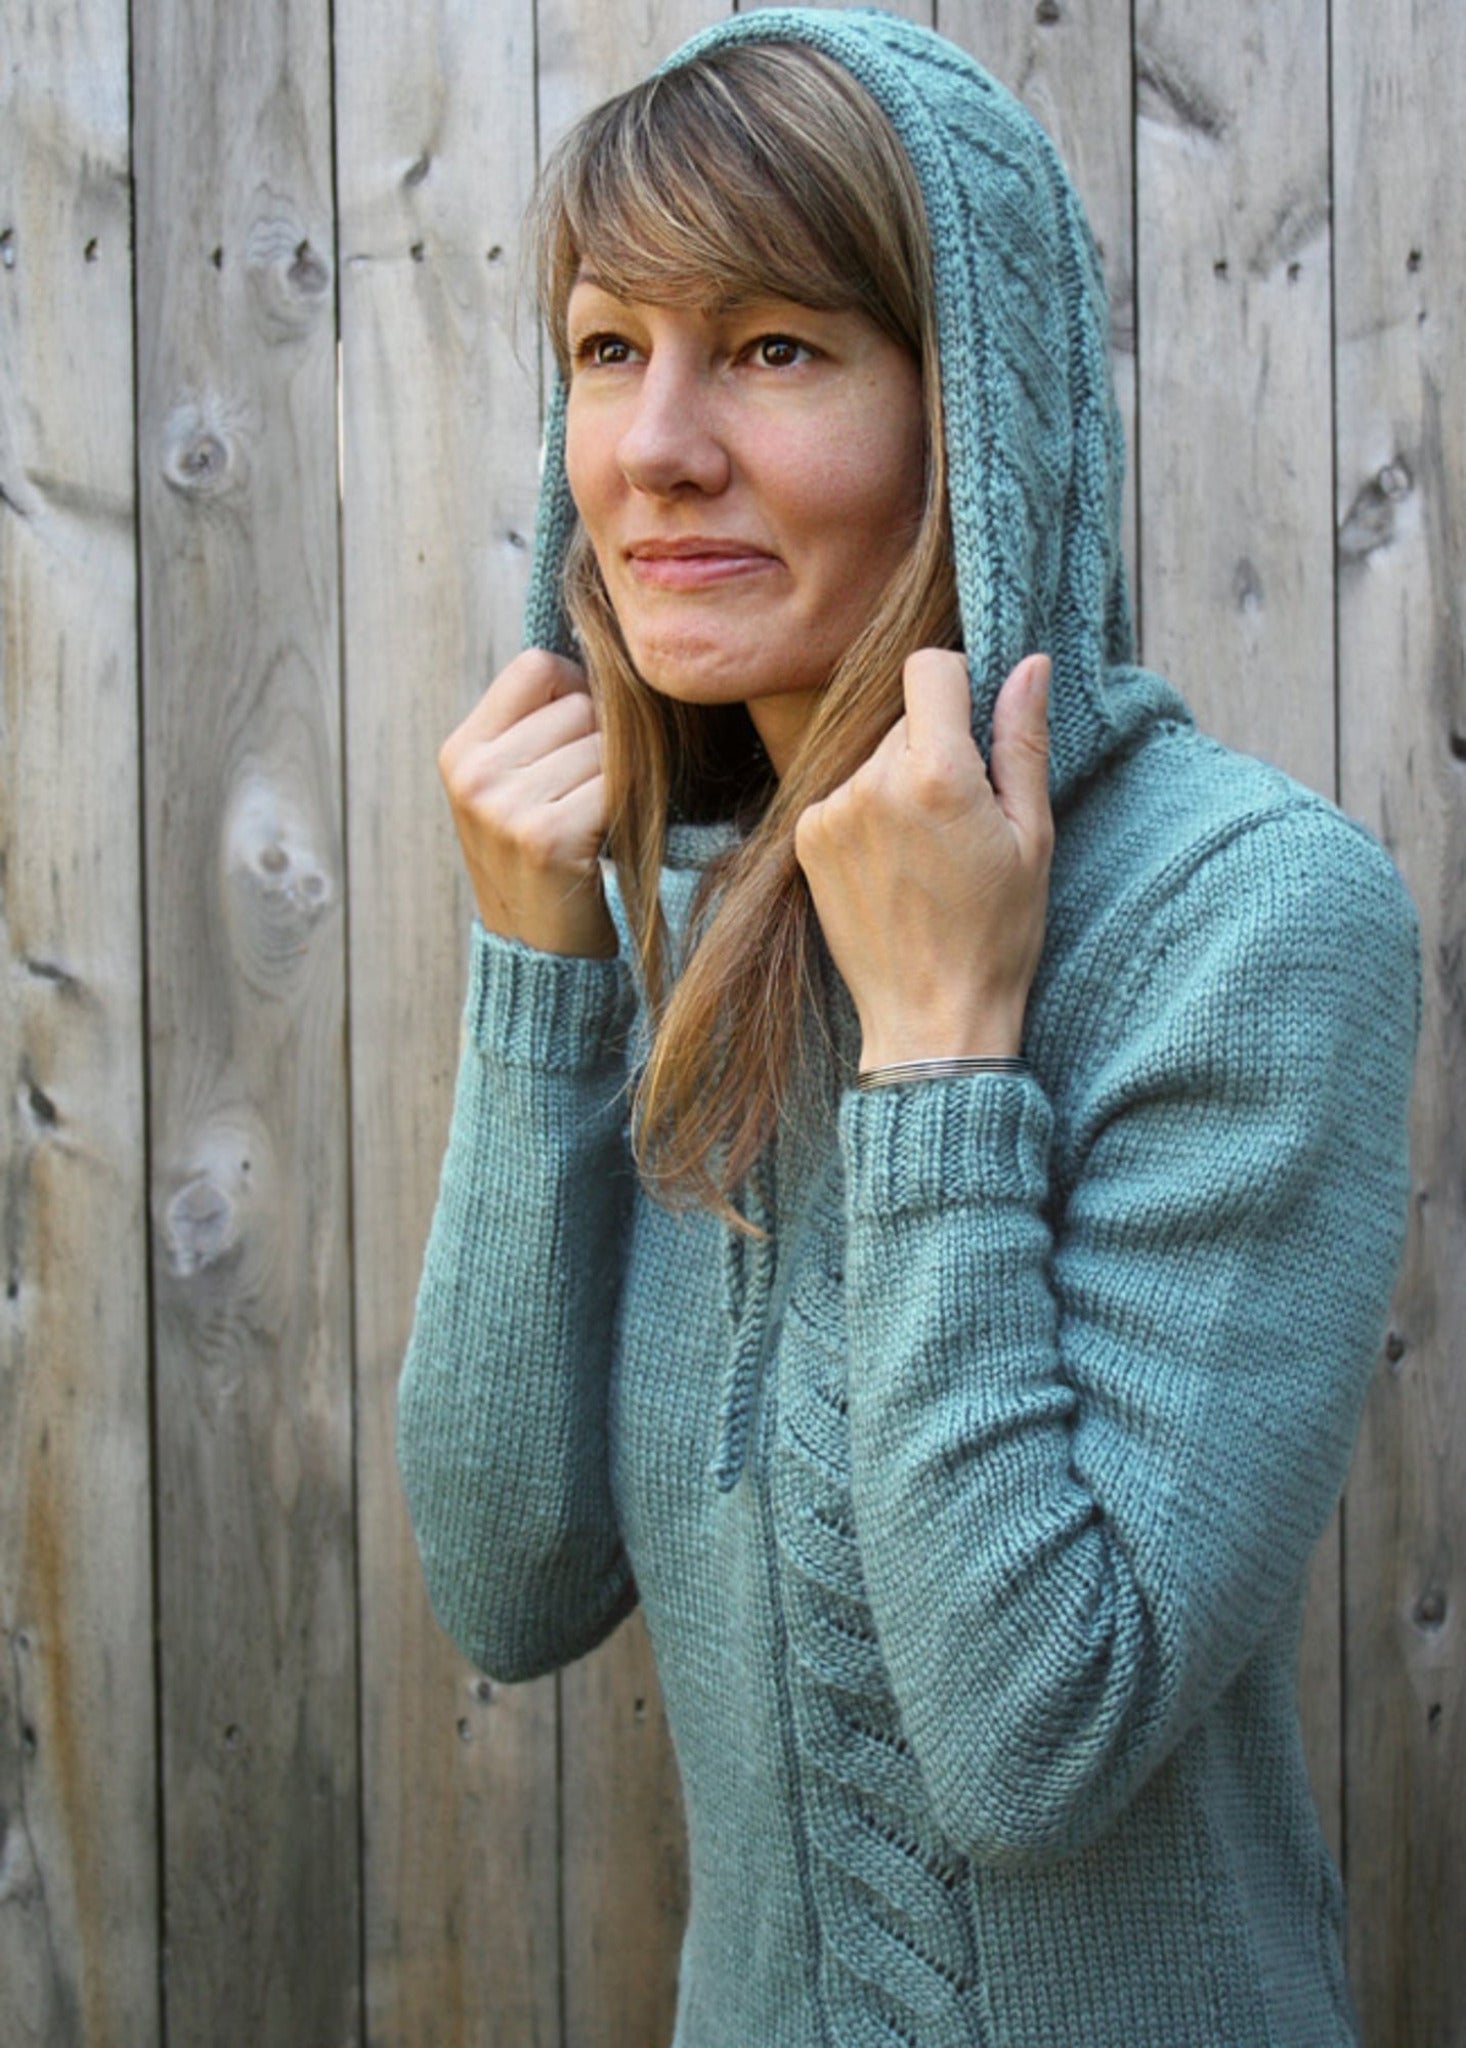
x=969 y=1510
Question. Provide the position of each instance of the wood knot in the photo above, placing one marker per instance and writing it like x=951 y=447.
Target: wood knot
x=1247 y=587
x=1370 y=520
x=199 y=1227
x=280 y=886
x=41 y=1107
x=1430 y=1610
x=36 y=1103
x=19 y=1879
x=309 y=273
x=202 y=458
x=289 y=277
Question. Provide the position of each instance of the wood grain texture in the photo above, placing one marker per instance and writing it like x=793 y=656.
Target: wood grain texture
x=435 y=140
x=625 y=1850
x=1399 y=169
x=1233 y=197
x=237 y=462
x=1236 y=577
x=589 y=51
x=1070 y=66
x=78 y=1847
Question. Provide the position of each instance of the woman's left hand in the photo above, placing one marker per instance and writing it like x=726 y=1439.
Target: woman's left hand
x=929 y=871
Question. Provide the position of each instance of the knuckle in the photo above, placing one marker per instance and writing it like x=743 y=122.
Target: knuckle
x=809 y=828
x=936 y=782
x=535 y=838
x=454 y=767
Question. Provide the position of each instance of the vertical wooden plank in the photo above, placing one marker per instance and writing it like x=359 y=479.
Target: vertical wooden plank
x=1236 y=580
x=435 y=158
x=78 y=1851
x=1399 y=170
x=238 y=490
x=588 y=52
x=1236 y=554
x=1071 y=66
x=625 y=1850
x=624 y=1858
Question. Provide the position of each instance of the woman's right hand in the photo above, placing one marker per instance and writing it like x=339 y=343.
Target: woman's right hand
x=523 y=776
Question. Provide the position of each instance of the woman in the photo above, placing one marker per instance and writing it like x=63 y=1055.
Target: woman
x=965 y=1431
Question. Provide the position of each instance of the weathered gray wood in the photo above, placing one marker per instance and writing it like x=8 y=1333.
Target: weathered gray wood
x=1071 y=66
x=238 y=479
x=78 y=1845
x=435 y=127
x=625 y=1851
x=587 y=51
x=1400 y=266
x=1236 y=582
x=1236 y=556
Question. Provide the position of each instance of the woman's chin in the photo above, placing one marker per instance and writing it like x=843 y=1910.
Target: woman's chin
x=696 y=670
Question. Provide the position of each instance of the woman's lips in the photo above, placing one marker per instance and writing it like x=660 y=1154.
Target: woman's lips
x=695 y=564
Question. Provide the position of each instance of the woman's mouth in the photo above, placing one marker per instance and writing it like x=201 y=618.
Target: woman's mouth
x=695 y=563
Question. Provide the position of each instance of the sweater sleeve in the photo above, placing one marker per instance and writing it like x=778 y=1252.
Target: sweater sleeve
x=502 y=1401
x=1099 y=1416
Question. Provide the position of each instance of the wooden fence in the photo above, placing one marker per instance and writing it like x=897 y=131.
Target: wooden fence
x=267 y=470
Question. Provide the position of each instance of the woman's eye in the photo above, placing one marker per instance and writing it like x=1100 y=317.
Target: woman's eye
x=779 y=351
x=602 y=351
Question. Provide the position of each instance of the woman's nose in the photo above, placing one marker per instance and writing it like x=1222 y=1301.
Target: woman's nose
x=671 y=440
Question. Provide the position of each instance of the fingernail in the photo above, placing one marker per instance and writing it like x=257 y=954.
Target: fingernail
x=1039 y=671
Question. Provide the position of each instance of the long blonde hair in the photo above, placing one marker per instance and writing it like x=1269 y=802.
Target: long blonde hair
x=750 y=172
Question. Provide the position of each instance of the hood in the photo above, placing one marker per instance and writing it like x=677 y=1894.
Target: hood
x=1034 y=442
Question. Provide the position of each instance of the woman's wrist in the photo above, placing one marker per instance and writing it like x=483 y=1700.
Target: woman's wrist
x=998 y=1035
x=903 y=1073
x=575 y=922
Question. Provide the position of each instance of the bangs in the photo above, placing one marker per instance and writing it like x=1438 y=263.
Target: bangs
x=749 y=174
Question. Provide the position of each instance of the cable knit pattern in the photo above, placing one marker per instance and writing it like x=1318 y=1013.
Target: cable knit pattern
x=898 y=1959
x=969 y=1508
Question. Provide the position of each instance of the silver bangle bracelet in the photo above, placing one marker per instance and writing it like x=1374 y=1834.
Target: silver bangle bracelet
x=936 y=1070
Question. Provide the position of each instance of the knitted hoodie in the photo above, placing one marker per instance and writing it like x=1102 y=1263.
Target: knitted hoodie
x=969 y=1509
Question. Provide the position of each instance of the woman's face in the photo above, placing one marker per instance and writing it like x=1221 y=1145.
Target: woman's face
x=749 y=479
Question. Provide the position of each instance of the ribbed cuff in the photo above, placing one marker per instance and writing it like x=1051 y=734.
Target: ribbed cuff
x=941 y=1144
x=553 y=1011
